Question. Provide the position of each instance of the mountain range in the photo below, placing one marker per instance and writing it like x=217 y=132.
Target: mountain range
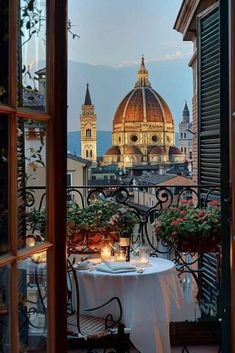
x=104 y=141
x=172 y=79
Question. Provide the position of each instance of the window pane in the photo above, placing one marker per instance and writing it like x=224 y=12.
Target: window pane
x=32 y=54
x=4 y=6
x=31 y=153
x=32 y=289
x=5 y=309
x=4 y=246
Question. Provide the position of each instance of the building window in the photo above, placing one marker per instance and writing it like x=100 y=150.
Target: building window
x=69 y=179
x=190 y=155
x=134 y=138
x=181 y=135
x=105 y=177
x=87 y=154
x=185 y=150
x=182 y=150
x=185 y=135
x=155 y=138
x=88 y=132
x=90 y=153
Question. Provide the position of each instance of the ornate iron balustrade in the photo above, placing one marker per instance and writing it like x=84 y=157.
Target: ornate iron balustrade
x=147 y=202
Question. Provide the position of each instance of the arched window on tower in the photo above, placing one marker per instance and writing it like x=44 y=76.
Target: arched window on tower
x=88 y=132
x=90 y=153
x=87 y=154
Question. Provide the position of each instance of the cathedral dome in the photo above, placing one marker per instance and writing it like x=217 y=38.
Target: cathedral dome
x=174 y=150
x=157 y=150
x=113 y=151
x=132 y=150
x=143 y=126
x=143 y=104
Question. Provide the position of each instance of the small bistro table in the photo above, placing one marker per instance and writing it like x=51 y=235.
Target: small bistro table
x=149 y=300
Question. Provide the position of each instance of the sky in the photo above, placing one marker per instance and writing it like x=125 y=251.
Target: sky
x=114 y=34
x=118 y=32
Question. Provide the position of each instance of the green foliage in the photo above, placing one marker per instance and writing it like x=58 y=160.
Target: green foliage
x=188 y=221
x=102 y=216
x=36 y=221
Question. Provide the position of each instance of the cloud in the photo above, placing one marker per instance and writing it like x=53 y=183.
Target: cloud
x=177 y=55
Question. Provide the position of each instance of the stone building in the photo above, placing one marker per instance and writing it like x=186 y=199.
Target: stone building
x=88 y=129
x=143 y=128
x=185 y=136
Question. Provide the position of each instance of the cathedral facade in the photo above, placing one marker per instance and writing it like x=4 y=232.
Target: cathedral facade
x=143 y=128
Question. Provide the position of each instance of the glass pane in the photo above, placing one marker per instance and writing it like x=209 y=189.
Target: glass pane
x=5 y=310
x=4 y=246
x=31 y=154
x=4 y=6
x=32 y=289
x=32 y=54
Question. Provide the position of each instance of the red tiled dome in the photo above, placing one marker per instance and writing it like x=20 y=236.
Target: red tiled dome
x=174 y=150
x=113 y=151
x=157 y=150
x=132 y=150
x=143 y=104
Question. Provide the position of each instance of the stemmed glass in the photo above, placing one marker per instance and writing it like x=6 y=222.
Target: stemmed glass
x=135 y=246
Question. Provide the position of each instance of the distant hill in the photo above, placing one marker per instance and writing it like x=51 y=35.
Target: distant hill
x=104 y=141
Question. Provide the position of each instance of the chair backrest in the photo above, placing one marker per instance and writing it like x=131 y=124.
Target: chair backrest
x=111 y=320
x=72 y=282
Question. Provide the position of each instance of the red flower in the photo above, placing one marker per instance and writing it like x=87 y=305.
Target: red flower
x=201 y=214
x=213 y=203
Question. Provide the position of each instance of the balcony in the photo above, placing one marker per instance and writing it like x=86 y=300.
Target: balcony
x=198 y=271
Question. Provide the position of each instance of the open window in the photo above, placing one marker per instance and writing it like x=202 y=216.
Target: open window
x=32 y=141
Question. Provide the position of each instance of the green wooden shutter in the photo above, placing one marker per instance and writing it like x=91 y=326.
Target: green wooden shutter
x=209 y=167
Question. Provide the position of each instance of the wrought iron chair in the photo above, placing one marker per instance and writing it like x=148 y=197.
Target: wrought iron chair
x=91 y=332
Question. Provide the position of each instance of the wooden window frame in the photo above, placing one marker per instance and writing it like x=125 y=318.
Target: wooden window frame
x=56 y=120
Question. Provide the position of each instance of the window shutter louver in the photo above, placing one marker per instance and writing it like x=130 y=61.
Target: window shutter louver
x=209 y=166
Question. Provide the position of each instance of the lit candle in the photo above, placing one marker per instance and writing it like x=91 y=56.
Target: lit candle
x=105 y=253
x=144 y=256
x=120 y=256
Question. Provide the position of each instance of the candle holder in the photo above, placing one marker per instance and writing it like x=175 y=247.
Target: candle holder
x=120 y=256
x=106 y=249
x=144 y=256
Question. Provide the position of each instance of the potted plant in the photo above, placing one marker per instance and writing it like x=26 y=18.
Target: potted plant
x=89 y=224
x=190 y=228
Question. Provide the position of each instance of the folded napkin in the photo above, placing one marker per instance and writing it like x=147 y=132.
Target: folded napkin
x=115 y=267
x=83 y=264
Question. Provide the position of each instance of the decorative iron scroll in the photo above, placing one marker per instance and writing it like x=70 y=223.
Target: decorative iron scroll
x=147 y=202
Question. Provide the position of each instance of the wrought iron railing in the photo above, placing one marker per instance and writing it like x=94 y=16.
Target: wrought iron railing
x=147 y=202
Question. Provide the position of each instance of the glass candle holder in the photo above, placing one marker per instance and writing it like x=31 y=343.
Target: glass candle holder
x=120 y=255
x=143 y=256
x=106 y=249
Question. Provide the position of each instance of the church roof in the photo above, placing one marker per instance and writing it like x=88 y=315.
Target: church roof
x=87 y=97
x=143 y=103
x=113 y=151
x=132 y=150
x=174 y=150
x=157 y=150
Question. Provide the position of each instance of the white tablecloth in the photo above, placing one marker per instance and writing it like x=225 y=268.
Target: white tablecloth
x=149 y=301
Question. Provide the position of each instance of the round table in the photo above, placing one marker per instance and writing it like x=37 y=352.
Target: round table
x=149 y=300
